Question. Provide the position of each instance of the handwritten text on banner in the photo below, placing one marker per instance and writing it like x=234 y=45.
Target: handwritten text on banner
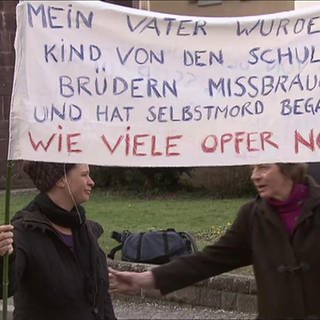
x=109 y=85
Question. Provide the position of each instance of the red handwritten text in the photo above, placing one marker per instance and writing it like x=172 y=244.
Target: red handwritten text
x=250 y=141
x=57 y=141
x=143 y=144
x=311 y=142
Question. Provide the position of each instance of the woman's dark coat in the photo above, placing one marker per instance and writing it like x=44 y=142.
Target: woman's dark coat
x=287 y=268
x=45 y=276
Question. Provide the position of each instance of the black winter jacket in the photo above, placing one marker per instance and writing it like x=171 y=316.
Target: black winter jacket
x=45 y=276
x=287 y=268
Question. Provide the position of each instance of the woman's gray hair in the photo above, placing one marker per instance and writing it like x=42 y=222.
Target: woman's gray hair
x=295 y=171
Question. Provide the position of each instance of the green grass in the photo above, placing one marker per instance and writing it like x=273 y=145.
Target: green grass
x=203 y=216
x=199 y=215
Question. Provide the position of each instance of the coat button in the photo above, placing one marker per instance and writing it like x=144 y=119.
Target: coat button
x=282 y=268
x=305 y=266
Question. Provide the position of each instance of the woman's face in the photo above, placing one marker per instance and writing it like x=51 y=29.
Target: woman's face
x=270 y=182
x=79 y=183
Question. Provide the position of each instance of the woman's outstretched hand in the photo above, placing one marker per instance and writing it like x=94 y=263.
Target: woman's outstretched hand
x=6 y=239
x=130 y=282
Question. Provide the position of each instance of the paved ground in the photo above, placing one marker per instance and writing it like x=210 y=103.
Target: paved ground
x=136 y=308
x=130 y=308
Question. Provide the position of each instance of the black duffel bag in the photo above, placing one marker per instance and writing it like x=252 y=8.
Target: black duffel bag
x=154 y=247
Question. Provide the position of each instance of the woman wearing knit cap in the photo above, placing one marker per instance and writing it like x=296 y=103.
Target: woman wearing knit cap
x=57 y=269
x=278 y=233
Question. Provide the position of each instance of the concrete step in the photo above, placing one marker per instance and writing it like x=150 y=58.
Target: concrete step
x=128 y=307
x=133 y=307
x=231 y=292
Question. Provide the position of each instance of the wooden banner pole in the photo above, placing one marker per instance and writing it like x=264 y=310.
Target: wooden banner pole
x=5 y=274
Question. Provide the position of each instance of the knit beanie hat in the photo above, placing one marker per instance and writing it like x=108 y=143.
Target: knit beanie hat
x=44 y=175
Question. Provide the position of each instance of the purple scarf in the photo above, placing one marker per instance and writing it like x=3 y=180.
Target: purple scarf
x=289 y=210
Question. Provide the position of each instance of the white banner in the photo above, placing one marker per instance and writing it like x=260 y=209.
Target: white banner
x=109 y=85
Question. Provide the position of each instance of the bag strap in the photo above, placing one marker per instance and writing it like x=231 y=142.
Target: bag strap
x=165 y=242
x=113 y=251
x=120 y=237
x=139 y=245
x=117 y=236
x=191 y=241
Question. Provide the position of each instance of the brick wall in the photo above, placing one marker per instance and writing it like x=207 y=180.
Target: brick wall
x=7 y=34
